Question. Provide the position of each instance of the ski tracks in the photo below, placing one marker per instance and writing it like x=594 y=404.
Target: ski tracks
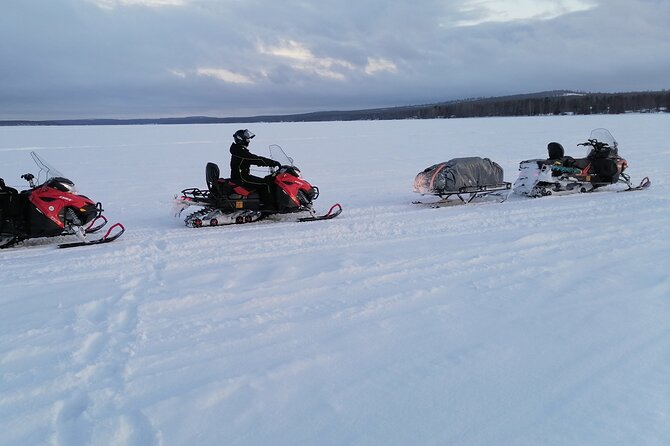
x=98 y=407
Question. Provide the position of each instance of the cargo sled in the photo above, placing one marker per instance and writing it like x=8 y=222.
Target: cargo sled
x=466 y=178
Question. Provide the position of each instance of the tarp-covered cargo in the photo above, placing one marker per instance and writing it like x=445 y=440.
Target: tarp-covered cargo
x=459 y=175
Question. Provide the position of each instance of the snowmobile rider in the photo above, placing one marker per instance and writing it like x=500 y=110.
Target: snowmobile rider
x=242 y=159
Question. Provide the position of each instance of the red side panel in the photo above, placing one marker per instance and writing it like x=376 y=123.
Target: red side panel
x=291 y=185
x=50 y=202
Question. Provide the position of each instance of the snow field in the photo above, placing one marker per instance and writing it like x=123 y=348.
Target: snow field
x=528 y=322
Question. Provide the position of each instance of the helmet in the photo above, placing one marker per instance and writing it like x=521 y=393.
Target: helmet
x=243 y=136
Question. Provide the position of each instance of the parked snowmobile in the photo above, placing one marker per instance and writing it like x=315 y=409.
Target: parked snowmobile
x=49 y=209
x=560 y=174
x=225 y=202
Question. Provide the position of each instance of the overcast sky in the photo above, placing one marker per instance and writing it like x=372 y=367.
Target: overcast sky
x=156 y=58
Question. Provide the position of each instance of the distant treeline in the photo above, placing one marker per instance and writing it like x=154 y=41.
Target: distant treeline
x=535 y=104
x=556 y=104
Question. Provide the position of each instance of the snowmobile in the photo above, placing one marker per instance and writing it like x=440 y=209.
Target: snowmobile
x=560 y=174
x=49 y=209
x=224 y=202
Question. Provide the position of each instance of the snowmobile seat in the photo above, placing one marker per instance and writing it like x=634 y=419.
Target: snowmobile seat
x=222 y=187
x=212 y=173
x=8 y=197
x=235 y=188
x=12 y=205
x=556 y=151
x=5 y=188
x=218 y=187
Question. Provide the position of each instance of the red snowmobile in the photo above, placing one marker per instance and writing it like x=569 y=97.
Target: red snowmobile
x=225 y=202
x=50 y=209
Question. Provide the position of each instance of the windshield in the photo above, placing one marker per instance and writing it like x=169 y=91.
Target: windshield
x=278 y=154
x=46 y=170
x=603 y=136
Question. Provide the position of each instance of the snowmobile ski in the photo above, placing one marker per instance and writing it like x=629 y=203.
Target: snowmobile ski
x=107 y=238
x=644 y=184
x=90 y=229
x=333 y=212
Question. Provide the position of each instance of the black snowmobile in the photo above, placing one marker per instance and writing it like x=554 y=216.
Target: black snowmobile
x=560 y=174
x=225 y=202
x=51 y=207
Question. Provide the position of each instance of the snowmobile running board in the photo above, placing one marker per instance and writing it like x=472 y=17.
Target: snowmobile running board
x=333 y=212
x=210 y=217
x=644 y=184
x=105 y=239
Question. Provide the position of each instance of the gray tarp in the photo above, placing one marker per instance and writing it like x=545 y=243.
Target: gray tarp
x=458 y=173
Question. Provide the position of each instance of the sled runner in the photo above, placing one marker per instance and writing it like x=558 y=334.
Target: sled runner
x=224 y=202
x=466 y=178
x=49 y=209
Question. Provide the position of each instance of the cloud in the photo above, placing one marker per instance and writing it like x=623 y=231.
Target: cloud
x=376 y=65
x=287 y=49
x=178 y=73
x=124 y=58
x=113 y=4
x=223 y=75
x=302 y=59
x=483 y=11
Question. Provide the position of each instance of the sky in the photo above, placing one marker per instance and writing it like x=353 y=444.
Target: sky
x=64 y=59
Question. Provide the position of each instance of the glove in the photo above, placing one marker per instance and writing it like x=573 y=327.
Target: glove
x=276 y=164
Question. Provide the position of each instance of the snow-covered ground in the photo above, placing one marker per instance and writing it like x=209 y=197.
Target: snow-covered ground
x=531 y=322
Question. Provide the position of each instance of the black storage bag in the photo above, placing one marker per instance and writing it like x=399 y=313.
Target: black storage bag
x=459 y=174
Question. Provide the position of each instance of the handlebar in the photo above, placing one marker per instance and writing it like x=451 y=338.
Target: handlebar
x=598 y=145
x=29 y=177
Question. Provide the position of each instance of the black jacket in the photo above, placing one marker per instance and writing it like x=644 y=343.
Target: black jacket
x=241 y=159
